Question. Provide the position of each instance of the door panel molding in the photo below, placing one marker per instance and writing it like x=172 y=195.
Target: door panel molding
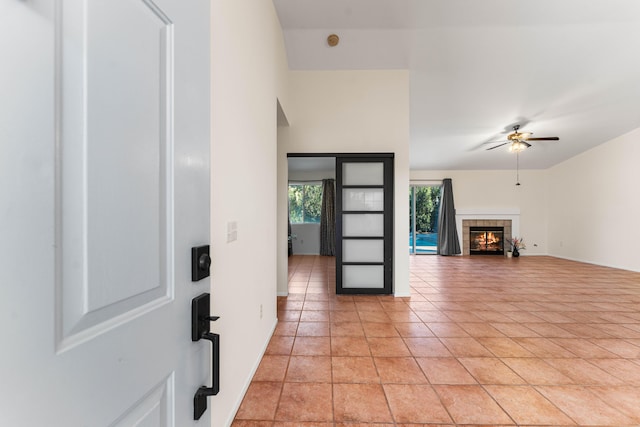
x=155 y=408
x=112 y=147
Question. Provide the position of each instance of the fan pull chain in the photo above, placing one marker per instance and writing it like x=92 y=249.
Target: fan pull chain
x=517 y=167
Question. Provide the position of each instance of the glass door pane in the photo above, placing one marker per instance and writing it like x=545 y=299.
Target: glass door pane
x=363 y=276
x=363 y=250
x=363 y=199
x=362 y=225
x=363 y=173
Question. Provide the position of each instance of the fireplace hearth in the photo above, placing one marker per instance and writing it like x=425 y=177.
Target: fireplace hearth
x=486 y=240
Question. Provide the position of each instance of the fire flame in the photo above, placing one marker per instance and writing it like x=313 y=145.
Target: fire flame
x=487 y=238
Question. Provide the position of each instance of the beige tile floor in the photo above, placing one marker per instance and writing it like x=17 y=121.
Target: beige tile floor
x=481 y=341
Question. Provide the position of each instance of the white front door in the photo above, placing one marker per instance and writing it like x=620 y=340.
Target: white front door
x=104 y=189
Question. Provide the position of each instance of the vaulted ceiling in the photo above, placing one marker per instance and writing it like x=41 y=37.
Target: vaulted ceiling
x=567 y=68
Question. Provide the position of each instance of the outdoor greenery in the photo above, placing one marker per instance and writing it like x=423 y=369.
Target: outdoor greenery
x=427 y=205
x=305 y=203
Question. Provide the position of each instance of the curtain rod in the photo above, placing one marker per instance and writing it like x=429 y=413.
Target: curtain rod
x=426 y=180
x=308 y=180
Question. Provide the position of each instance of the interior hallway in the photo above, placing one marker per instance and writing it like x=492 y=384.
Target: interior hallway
x=482 y=340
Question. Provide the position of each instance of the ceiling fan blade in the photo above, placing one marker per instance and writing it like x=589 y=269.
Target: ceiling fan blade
x=525 y=143
x=499 y=145
x=494 y=142
x=549 y=138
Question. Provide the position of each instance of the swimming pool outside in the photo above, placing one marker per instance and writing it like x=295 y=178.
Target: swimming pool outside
x=426 y=243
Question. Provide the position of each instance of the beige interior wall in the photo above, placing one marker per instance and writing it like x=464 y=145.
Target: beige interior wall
x=594 y=205
x=249 y=77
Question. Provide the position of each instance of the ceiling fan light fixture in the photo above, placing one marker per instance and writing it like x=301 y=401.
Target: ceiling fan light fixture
x=517 y=146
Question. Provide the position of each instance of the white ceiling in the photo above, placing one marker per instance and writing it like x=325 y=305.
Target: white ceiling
x=567 y=68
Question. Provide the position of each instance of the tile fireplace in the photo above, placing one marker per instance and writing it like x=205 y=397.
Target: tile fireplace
x=489 y=237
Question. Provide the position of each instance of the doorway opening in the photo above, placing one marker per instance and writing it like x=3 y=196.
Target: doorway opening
x=305 y=177
x=363 y=216
x=424 y=206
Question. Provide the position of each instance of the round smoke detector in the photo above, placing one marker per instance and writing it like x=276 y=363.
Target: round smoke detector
x=333 y=40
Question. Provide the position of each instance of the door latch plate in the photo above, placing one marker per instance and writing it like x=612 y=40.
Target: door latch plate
x=200 y=325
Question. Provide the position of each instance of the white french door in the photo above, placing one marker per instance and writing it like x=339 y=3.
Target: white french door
x=104 y=130
x=364 y=229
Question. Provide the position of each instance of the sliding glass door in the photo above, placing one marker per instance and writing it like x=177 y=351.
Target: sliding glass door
x=424 y=204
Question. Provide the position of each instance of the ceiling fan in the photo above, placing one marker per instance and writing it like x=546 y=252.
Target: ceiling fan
x=519 y=140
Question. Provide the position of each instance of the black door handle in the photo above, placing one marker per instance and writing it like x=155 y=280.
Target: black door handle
x=200 y=326
x=215 y=365
x=200 y=398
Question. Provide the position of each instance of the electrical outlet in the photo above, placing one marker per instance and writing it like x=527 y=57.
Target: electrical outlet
x=261 y=311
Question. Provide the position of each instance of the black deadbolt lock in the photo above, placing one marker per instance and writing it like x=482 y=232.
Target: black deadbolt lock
x=200 y=263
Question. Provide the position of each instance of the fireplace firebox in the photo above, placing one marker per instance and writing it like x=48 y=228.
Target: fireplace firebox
x=485 y=240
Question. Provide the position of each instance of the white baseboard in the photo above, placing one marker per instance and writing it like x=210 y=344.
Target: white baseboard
x=594 y=263
x=253 y=372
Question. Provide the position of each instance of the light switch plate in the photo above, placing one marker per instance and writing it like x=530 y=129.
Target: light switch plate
x=232 y=231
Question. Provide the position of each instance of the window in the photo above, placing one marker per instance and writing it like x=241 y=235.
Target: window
x=305 y=203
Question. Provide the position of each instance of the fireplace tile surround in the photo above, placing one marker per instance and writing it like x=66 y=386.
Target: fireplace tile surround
x=506 y=217
x=468 y=223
